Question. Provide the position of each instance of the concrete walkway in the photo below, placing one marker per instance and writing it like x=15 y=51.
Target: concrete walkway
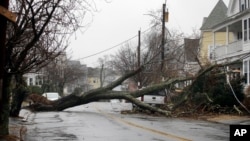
x=17 y=127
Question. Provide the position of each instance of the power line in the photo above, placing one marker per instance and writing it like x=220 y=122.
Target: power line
x=123 y=43
x=112 y=46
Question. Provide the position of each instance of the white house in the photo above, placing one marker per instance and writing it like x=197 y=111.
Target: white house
x=36 y=78
x=237 y=46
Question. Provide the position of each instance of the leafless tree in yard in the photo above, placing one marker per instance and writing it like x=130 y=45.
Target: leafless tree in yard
x=40 y=34
x=125 y=60
x=61 y=73
x=107 y=73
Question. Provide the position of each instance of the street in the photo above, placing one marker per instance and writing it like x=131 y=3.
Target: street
x=102 y=121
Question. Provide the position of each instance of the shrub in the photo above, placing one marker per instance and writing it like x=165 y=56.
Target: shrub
x=35 y=89
x=214 y=84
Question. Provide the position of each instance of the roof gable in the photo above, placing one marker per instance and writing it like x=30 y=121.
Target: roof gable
x=233 y=7
x=191 y=49
x=218 y=14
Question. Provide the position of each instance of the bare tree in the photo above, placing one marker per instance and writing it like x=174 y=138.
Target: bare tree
x=125 y=59
x=105 y=70
x=75 y=76
x=40 y=34
x=105 y=92
x=62 y=72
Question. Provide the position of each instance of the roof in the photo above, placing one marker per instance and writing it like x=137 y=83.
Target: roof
x=191 y=49
x=74 y=63
x=218 y=14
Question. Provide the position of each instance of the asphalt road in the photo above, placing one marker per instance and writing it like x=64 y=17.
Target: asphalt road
x=102 y=121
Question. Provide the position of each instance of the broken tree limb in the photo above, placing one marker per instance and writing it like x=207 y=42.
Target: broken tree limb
x=238 y=110
x=107 y=93
x=127 y=96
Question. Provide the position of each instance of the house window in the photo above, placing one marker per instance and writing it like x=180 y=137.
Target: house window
x=31 y=82
x=248 y=74
x=245 y=29
x=244 y=4
x=239 y=36
x=38 y=80
x=211 y=53
x=246 y=70
x=249 y=28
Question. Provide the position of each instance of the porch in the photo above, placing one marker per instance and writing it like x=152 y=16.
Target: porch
x=233 y=42
x=230 y=50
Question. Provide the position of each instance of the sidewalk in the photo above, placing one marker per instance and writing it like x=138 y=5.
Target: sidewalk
x=229 y=119
x=17 y=128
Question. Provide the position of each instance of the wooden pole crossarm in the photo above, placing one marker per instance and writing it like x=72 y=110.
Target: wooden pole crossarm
x=7 y=14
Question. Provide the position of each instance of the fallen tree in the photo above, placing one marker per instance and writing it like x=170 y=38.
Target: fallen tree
x=76 y=99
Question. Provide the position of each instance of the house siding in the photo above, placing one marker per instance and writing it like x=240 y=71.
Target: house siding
x=233 y=8
x=207 y=42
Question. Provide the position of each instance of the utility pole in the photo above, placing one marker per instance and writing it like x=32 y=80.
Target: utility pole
x=139 y=58
x=163 y=36
x=3 y=27
x=4 y=99
x=139 y=48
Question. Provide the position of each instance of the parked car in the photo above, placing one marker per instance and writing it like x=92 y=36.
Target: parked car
x=51 y=95
x=114 y=101
x=156 y=98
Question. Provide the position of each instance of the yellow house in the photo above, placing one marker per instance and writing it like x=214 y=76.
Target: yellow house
x=209 y=39
x=226 y=37
x=237 y=47
x=94 y=82
x=98 y=77
x=207 y=45
x=93 y=78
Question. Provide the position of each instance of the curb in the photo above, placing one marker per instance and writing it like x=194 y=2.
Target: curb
x=17 y=130
x=24 y=113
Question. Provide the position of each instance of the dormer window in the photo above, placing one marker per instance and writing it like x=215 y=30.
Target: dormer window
x=244 y=4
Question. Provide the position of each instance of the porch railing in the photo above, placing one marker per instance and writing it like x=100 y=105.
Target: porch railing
x=226 y=50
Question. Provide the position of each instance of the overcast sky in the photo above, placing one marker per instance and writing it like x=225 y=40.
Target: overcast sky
x=120 y=20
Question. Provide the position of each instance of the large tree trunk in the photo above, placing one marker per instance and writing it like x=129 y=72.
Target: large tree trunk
x=18 y=96
x=4 y=106
x=4 y=84
x=107 y=93
x=60 y=88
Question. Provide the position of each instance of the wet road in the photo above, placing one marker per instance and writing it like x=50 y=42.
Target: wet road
x=102 y=121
